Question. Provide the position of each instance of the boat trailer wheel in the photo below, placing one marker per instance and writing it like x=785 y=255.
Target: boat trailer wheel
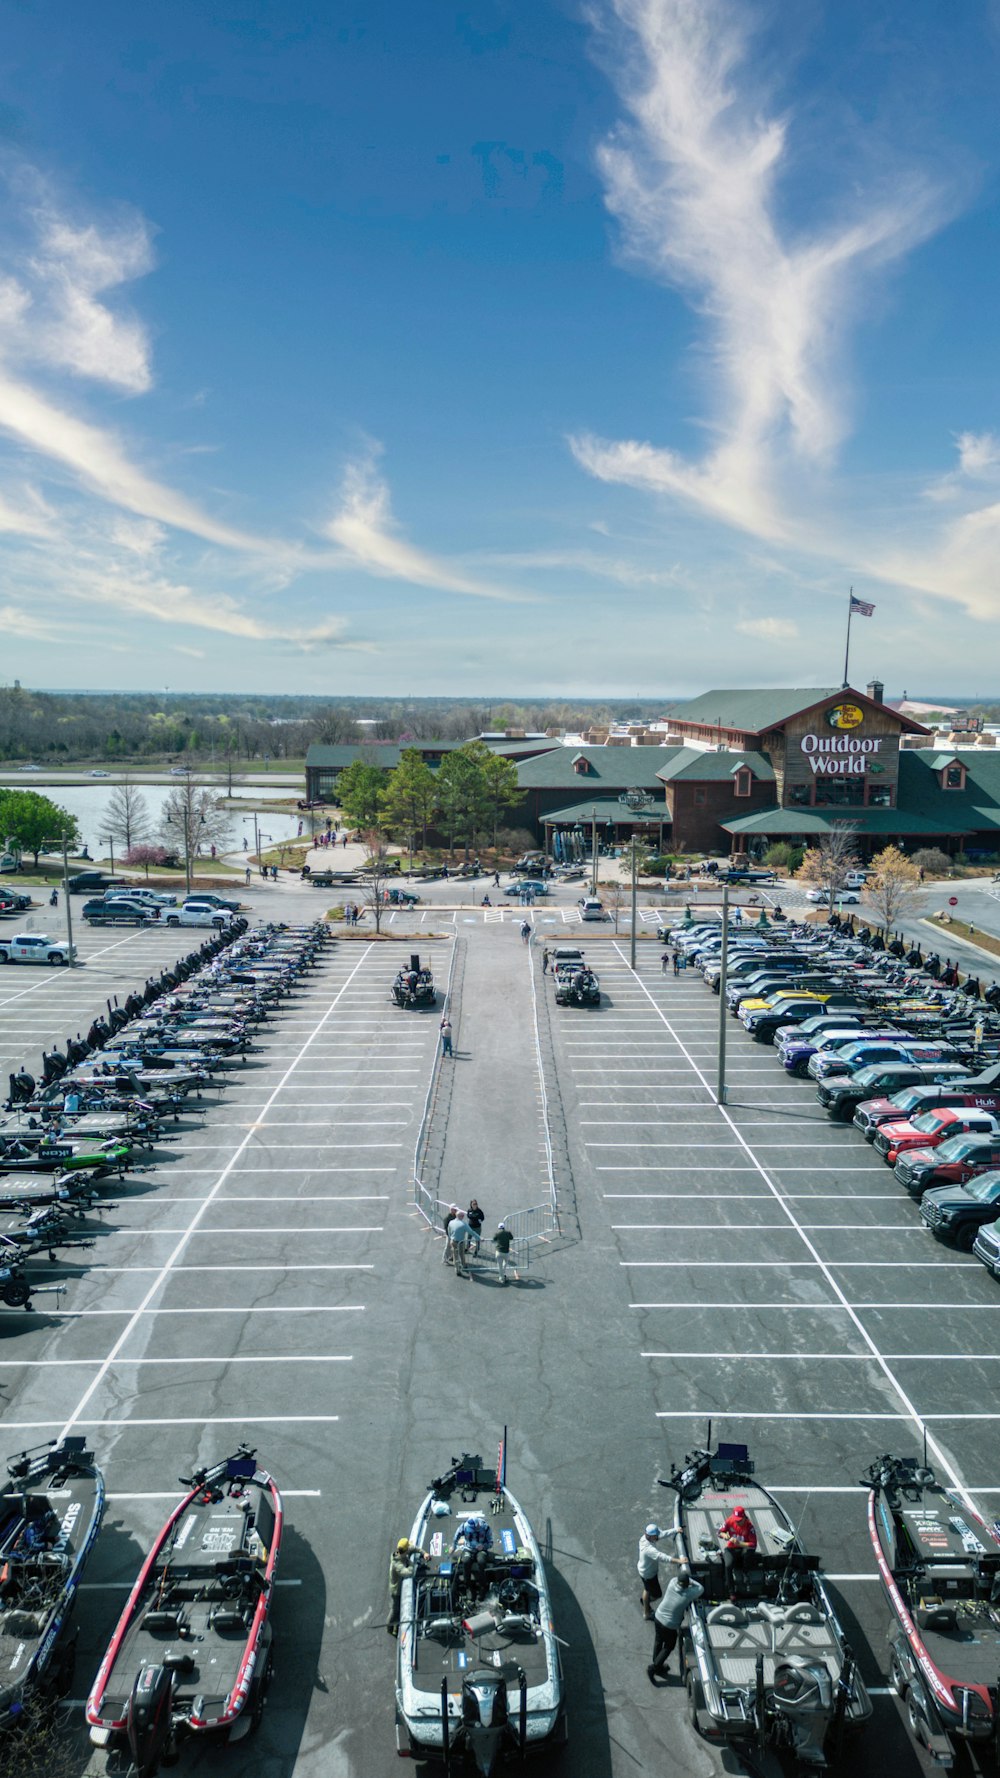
x=898 y=1678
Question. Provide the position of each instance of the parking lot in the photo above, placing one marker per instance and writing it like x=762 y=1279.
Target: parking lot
x=268 y=1278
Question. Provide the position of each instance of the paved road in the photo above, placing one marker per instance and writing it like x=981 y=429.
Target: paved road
x=270 y=1278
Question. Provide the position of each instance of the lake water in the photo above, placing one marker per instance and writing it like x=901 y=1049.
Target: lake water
x=88 y=803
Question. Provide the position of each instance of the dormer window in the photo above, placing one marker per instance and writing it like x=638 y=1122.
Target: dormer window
x=953 y=777
x=743 y=783
x=581 y=764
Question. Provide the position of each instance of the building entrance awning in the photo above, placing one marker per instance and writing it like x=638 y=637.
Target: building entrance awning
x=605 y=809
x=890 y=823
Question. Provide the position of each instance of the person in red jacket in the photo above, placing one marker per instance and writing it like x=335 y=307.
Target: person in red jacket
x=738 y=1539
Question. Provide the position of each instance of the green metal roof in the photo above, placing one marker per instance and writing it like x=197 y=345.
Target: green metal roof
x=812 y=821
x=611 y=768
x=753 y=711
x=702 y=767
x=606 y=808
x=976 y=809
x=323 y=757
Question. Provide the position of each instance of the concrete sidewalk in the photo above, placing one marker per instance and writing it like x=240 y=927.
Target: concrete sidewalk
x=493 y=1148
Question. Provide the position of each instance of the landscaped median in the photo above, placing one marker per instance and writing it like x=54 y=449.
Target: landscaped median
x=973 y=935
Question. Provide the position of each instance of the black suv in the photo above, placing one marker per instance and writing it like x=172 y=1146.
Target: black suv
x=958 y=1212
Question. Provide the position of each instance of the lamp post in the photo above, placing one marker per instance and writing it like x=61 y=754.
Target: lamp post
x=721 y=1090
x=187 y=845
x=62 y=845
x=635 y=800
x=110 y=843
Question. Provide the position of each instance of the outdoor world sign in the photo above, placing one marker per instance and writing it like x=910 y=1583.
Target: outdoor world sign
x=843 y=753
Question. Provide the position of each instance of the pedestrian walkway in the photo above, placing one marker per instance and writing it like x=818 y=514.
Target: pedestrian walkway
x=494 y=1147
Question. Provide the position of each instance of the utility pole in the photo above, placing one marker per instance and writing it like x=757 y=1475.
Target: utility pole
x=721 y=1090
x=631 y=942
x=69 y=916
x=593 y=842
x=111 y=846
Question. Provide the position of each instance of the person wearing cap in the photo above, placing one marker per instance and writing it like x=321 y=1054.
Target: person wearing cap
x=739 y=1540
x=681 y=1591
x=503 y=1241
x=403 y=1563
x=448 y=1256
x=651 y=1554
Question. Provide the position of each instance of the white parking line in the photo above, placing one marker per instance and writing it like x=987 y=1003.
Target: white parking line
x=171 y=1263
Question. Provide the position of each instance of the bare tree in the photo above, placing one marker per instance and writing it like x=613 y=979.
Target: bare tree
x=193 y=818
x=377 y=873
x=127 y=816
x=892 y=886
x=825 y=866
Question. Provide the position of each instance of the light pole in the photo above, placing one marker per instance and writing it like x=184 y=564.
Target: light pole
x=721 y=1090
x=636 y=800
x=62 y=845
x=593 y=847
x=110 y=843
x=188 y=821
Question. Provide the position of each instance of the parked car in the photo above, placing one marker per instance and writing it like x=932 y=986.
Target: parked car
x=100 y=774
x=159 y=898
x=930 y=1128
x=794 y=1051
x=878 y=1049
x=952 y=1163
x=763 y=1021
x=526 y=885
x=871 y=1114
x=215 y=901
x=198 y=913
x=840 y=896
x=986 y=1246
x=93 y=882
x=841 y=1094
x=15 y=898
x=590 y=909
x=34 y=947
x=958 y=1212
x=119 y=912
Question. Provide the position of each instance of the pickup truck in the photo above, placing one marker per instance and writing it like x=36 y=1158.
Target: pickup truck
x=871 y=1114
x=34 y=947
x=930 y=1128
x=957 y=1160
x=118 y=912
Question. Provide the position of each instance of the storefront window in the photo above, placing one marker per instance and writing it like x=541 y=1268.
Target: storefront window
x=838 y=791
x=880 y=796
x=799 y=795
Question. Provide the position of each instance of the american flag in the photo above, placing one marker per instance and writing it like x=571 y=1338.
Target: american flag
x=861 y=608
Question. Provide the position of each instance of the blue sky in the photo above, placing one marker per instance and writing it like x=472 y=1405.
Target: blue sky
x=556 y=349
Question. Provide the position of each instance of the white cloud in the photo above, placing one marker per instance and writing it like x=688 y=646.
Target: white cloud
x=769 y=629
x=74 y=331
x=23 y=624
x=586 y=561
x=978 y=461
x=366 y=533
x=692 y=179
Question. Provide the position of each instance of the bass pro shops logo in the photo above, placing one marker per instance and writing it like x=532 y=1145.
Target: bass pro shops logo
x=845 y=716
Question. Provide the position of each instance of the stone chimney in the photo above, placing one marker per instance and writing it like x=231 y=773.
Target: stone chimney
x=876 y=691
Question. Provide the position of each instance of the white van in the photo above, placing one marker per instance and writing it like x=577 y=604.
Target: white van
x=855 y=879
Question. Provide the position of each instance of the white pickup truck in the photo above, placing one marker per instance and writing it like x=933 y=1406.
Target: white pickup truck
x=34 y=947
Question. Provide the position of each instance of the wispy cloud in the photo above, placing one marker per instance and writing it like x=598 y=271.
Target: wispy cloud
x=589 y=562
x=692 y=178
x=978 y=463
x=365 y=531
x=25 y=625
x=769 y=629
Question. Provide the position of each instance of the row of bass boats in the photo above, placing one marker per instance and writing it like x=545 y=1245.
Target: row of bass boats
x=191 y=1653
x=765 y=1660
x=111 y=1107
x=479 y=1682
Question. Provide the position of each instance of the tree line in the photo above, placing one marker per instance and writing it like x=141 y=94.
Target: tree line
x=59 y=727
x=465 y=798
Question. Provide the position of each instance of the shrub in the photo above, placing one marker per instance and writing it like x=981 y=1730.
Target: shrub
x=782 y=855
x=932 y=860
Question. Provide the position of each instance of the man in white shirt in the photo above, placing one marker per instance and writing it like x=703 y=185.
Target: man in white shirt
x=651 y=1554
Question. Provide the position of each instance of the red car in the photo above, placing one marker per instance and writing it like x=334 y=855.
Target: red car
x=952 y=1163
x=932 y=1128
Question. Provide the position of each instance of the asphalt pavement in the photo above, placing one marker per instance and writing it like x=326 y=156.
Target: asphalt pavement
x=268 y=1278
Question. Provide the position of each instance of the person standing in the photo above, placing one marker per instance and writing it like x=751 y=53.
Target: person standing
x=651 y=1554
x=403 y=1564
x=668 y=1617
x=248 y=873
x=503 y=1241
x=545 y=960
x=475 y=1217
x=448 y=1256
x=664 y=960
x=446 y=1049
x=458 y=1233
x=525 y=931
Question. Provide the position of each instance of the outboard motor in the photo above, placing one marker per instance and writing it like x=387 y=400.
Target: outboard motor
x=53 y=1067
x=803 y=1702
x=149 y=1717
x=485 y=1715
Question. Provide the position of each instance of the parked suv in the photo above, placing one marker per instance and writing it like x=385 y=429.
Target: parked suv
x=958 y=1212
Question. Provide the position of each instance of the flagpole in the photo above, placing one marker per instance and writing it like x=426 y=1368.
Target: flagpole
x=847 y=649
